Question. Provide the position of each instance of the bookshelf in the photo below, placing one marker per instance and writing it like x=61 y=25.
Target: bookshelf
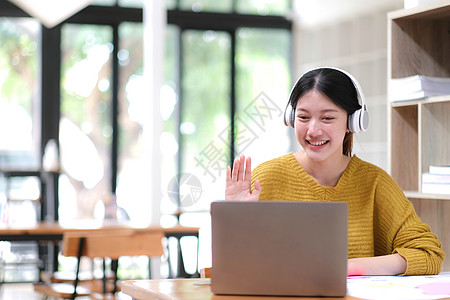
x=419 y=135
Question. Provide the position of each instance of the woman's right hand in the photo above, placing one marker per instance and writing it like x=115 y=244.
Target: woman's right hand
x=238 y=185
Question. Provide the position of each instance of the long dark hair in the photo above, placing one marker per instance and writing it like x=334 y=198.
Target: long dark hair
x=334 y=84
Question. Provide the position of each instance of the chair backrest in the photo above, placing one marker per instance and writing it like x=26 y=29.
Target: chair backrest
x=113 y=243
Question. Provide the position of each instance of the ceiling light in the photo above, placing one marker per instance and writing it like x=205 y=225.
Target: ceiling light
x=51 y=12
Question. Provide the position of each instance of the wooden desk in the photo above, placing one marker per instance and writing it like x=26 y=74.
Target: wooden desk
x=358 y=288
x=53 y=232
x=182 y=289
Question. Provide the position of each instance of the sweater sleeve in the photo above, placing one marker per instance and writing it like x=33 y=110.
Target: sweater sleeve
x=398 y=229
x=266 y=179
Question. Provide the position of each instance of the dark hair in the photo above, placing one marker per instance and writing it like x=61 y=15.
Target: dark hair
x=334 y=84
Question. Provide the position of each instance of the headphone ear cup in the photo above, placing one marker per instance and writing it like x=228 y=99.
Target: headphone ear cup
x=358 y=121
x=353 y=121
x=364 y=120
x=292 y=121
x=289 y=116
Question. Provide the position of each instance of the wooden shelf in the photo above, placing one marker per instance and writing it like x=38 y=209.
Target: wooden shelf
x=437 y=9
x=418 y=39
x=419 y=135
x=417 y=195
x=435 y=99
x=419 y=43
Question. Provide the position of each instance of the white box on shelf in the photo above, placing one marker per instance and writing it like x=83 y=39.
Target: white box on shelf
x=413 y=3
x=417 y=87
x=436 y=188
x=441 y=169
x=435 y=178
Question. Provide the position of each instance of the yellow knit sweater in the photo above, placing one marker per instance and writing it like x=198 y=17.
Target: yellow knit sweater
x=381 y=220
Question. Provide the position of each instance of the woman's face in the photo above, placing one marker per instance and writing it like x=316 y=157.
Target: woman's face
x=320 y=126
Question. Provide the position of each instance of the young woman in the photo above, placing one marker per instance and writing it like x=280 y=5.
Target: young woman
x=385 y=235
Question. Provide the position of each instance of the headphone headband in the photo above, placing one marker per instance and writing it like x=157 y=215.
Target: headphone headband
x=357 y=121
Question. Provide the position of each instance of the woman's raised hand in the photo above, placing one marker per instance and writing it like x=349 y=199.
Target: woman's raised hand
x=238 y=185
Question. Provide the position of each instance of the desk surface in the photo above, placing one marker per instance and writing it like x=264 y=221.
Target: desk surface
x=198 y=289
x=358 y=288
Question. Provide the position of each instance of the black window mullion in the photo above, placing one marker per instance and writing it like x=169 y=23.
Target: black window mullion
x=232 y=94
x=115 y=108
x=106 y=15
x=51 y=75
x=50 y=111
x=223 y=21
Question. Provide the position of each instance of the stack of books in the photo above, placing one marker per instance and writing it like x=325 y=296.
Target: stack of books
x=417 y=87
x=437 y=181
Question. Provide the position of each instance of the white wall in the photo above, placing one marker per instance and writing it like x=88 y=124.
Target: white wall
x=351 y=35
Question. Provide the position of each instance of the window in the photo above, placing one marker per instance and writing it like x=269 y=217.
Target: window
x=19 y=93
x=19 y=140
x=217 y=78
x=205 y=111
x=133 y=172
x=226 y=86
x=263 y=83
x=206 y=5
x=220 y=56
x=85 y=133
x=19 y=116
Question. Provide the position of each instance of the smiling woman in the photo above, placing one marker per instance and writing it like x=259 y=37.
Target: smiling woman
x=320 y=128
x=385 y=235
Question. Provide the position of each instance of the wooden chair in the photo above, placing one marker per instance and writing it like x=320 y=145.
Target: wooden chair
x=105 y=244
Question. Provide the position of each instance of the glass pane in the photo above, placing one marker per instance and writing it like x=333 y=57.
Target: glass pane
x=132 y=171
x=169 y=114
x=19 y=93
x=205 y=119
x=104 y=2
x=20 y=71
x=263 y=8
x=85 y=125
x=132 y=3
x=171 y=4
x=263 y=84
x=207 y=5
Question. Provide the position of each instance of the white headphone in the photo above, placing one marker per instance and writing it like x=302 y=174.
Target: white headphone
x=357 y=121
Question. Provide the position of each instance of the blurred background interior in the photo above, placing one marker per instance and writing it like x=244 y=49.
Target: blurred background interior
x=143 y=104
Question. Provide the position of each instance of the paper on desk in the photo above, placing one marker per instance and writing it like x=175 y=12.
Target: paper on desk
x=399 y=287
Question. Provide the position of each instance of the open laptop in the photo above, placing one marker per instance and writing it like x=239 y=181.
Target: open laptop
x=278 y=248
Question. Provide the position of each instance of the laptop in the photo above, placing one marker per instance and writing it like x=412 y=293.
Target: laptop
x=278 y=248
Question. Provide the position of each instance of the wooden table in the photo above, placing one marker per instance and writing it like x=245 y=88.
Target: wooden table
x=190 y=289
x=358 y=288
x=53 y=232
